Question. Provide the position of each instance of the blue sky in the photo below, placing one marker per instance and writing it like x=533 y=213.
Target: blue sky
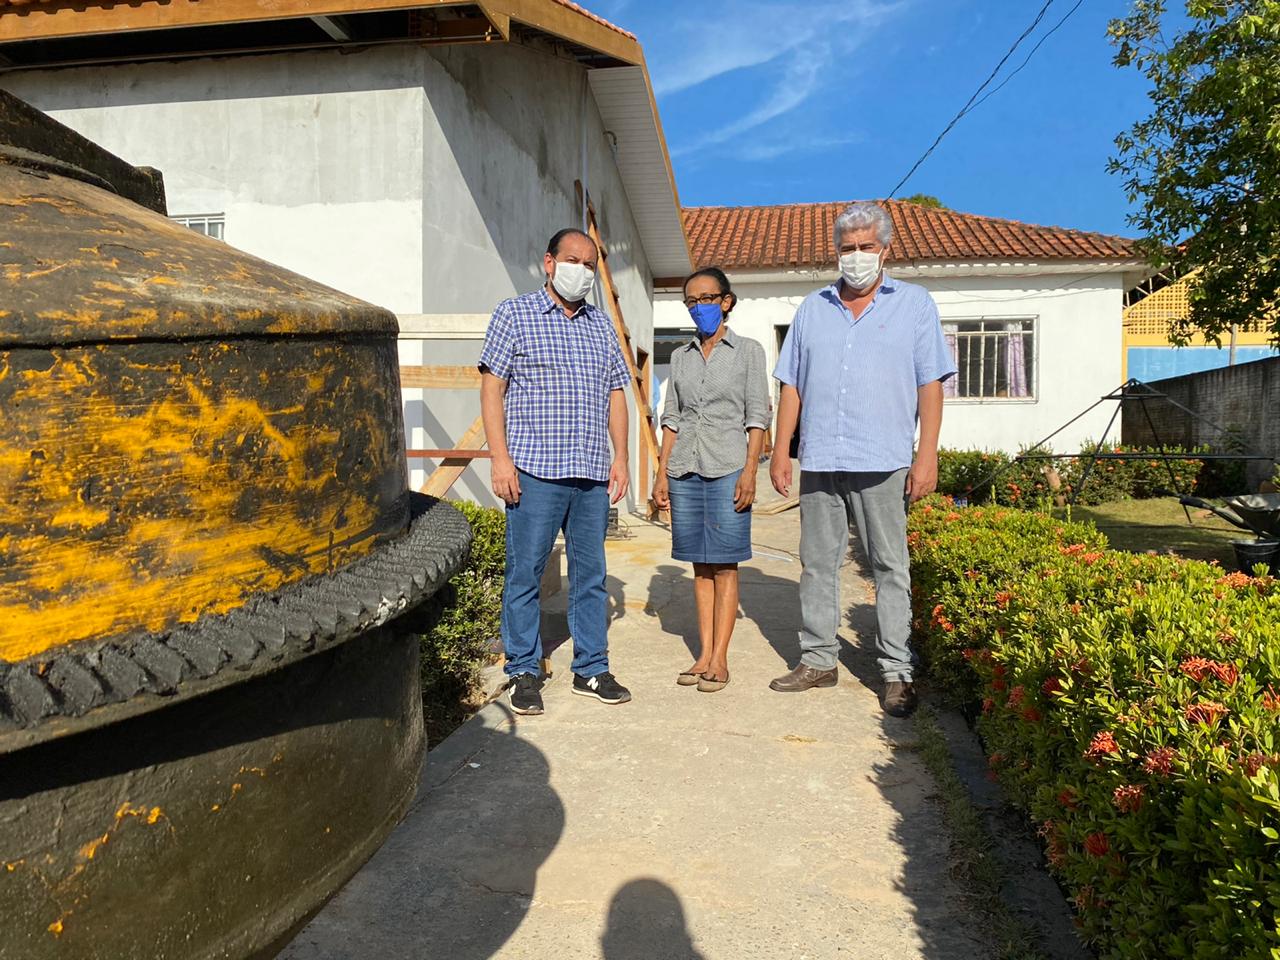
x=782 y=101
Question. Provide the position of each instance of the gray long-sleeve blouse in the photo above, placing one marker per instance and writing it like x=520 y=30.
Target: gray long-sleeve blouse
x=712 y=402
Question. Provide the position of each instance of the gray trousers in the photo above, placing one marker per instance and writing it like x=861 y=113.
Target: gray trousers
x=829 y=504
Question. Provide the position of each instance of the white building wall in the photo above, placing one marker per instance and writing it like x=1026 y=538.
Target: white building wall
x=424 y=180
x=1078 y=347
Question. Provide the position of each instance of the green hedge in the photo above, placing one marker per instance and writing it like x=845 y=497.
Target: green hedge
x=1131 y=705
x=968 y=473
x=462 y=634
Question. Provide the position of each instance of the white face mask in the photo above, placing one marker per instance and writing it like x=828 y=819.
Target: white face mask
x=573 y=281
x=859 y=268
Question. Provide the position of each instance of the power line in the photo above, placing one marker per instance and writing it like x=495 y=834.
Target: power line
x=1049 y=33
x=985 y=83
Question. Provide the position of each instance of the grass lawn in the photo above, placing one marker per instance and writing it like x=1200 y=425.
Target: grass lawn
x=1161 y=525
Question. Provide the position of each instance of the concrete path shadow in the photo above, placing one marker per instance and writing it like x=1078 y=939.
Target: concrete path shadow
x=458 y=876
x=646 y=921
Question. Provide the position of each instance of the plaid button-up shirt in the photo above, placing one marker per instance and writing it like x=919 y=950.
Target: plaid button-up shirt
x=559 y=371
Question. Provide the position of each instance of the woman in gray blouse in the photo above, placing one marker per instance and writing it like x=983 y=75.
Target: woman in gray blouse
x=713 y=425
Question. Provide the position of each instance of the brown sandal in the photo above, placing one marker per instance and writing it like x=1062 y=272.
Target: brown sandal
x=706 y=685
x=688 y=679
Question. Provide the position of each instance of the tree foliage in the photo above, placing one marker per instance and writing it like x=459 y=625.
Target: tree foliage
x=925 y=200
x=1204 y=167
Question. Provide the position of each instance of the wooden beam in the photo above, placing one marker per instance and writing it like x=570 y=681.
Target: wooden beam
x=442 y=454
x=332 y=28
x=646 y=471
x=444 y=476
x=439 y=378
x=80 y=19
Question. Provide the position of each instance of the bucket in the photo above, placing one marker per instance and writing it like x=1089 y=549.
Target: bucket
x=1250 y=552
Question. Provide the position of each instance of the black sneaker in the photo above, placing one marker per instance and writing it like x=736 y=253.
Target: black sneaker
x=603 y=687
x=525 y=691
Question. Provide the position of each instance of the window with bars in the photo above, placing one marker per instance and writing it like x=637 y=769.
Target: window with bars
x=667 y=342
x=995 y=358
x=210 y=224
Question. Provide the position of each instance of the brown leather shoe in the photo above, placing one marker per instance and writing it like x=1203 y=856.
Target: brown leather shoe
x=802 y=678
x=900 y=698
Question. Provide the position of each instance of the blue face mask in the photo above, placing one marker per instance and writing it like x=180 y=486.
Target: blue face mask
x=707 y=317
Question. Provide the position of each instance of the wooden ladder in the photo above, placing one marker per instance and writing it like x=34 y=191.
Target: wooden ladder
x=640 y=375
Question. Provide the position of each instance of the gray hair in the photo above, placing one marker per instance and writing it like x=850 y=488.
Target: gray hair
x=859 y=216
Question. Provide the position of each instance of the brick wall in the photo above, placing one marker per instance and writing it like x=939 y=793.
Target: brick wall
x=1244 y=397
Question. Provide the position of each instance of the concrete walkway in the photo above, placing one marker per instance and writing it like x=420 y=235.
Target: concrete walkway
x=743 y=824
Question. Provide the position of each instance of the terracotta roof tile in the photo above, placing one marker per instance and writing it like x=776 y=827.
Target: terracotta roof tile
x=799 y=235
x=591 y=16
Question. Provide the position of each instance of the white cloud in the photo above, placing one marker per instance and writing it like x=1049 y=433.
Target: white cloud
x=742 y=35
x=802 y=50
x=800 y=78
x=790 y=141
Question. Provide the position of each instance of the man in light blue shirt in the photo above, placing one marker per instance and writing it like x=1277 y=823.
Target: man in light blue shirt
x=864 y=360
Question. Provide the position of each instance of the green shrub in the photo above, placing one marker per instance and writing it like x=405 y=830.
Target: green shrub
x=980 y=475
x=462 y=633
x=1129 y=703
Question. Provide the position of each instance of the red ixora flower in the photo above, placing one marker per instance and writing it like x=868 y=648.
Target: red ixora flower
x=1102 y=744
x=1068 y=799
x=1002 y=598
x=1051 y=686
x=1096 y=845
x=1160 y=761
x=1031 y=715
x=1255 y=762
x=1271 y=700
x=988 y=705
x=1016 y=696
x=999 y=685
x=1208 y=712
x=1236 y=579
x=1129 y=798
x=1197 y=668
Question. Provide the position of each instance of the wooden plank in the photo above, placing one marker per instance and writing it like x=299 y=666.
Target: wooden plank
x=646 y=377
x=84 y=20
x=445 y=475
x=776 y=507
x=440 y=454
x=439 y=378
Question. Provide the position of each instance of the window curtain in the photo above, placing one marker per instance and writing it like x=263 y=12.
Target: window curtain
x=1016 y=360
x=951 y=385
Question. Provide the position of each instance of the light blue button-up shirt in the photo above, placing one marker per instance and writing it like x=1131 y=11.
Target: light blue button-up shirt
x=858 y=379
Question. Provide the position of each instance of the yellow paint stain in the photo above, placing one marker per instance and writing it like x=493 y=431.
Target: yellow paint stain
x=207 y=557
x=13 y=865
x=215 y=808
x=90 y=849
x=56 y=928
x=162 y=280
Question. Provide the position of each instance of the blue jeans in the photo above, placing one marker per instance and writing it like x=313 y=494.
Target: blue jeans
x=581 y=509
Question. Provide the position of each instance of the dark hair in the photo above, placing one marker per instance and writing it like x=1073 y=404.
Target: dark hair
x=553 y=245
x=716 y=274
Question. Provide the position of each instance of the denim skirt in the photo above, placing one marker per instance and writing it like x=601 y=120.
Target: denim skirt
x=704 y=526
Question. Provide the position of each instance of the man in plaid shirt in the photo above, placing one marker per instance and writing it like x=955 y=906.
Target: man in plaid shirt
x=551 y=395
